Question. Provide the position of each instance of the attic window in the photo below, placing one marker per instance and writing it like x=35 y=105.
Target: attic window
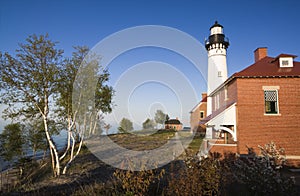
x=286 y=62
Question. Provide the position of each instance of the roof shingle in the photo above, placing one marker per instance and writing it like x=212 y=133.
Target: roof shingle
x=269 y=67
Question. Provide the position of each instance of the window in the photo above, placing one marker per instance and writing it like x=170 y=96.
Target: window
x=201 y=114
x=285 y=63
x=219 y=74
x=225 y=93
x=271 y=101
x=218 y=101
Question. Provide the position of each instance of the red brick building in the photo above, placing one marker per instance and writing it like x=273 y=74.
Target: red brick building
x=255 y=106
x=174 y=124
x=198 y=113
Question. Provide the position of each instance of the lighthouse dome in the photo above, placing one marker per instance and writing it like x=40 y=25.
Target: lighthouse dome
x=216 y=39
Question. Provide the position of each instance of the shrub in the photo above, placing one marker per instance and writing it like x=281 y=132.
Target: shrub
x=128 y=182
x=260 y=174
x=197 y=177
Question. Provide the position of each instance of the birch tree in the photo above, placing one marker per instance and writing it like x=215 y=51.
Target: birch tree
x=29 y=82
x=91 y=117
x=38 y=83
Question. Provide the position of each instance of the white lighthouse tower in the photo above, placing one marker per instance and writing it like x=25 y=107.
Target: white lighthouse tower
x=216 y=46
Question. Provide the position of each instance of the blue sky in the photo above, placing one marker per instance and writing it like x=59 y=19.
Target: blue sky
x=247 y=24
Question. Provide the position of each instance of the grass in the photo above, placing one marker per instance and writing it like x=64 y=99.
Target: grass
x=194 y=146
x=141 y=140
x=90 y=172
x=144 y=140
x=183 y=176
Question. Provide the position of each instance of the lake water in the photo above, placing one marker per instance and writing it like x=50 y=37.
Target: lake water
x=60 y=141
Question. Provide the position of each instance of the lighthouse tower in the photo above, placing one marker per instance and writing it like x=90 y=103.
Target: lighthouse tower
x=216 y=46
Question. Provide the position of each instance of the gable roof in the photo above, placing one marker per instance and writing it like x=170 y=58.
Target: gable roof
x=204 y=100
x=173 y=122
x=286 y=55
x=267 y=67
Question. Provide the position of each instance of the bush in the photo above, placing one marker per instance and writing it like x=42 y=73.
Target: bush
x=197 y=177
x=260 y=175
x=250 y=175
x=128 y=182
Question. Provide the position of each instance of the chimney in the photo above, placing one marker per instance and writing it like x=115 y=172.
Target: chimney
x=260 y=53
x=203 y=95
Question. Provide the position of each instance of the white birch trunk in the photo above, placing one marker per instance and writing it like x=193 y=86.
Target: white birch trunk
x=73 y=157
x=52 y=147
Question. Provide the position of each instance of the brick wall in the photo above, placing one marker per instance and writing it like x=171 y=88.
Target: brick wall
x=223 y=149
x=195 y=116
x=176 y=127
x=255 y=128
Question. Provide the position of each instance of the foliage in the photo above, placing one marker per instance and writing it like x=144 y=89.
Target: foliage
x=26 y=167
x=196 y=177
x=125 y=125
x=167 y=117
x=90 y=66
x=253 y=174
x=29 y=81
x=80 y=117
x=160 y=117
x=231 y=175
x=148 y=124
x=276 y=157
x=30 y=77
x=12 y=142
x=35 y=136
x=128 y=182
x=260 y=174
x=38 y=85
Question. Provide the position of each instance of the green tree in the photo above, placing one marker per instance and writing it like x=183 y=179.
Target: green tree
x=149 y=124
x=160 y=117
x=125 y=125
x=167 y=117
x=69 y=112
x=12 y=142
x=38 y=83
x=35 y=136
x=29 y=81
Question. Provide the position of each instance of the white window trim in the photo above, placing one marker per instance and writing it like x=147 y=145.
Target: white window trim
x=265 y=88
x=288 y=59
